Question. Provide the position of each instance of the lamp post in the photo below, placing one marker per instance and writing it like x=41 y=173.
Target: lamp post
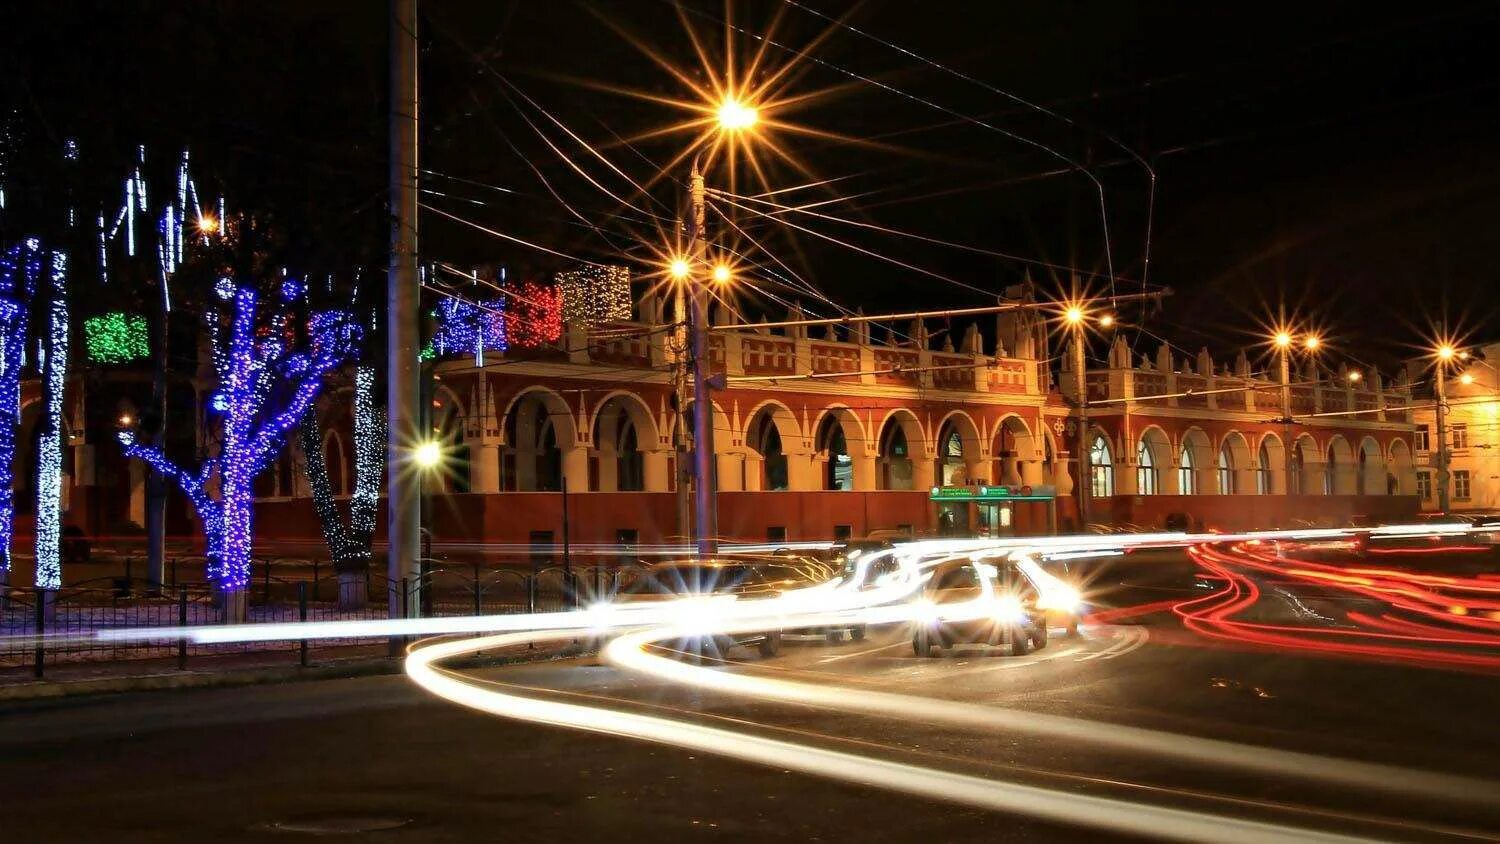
x=1074 y=317
x=1283 y=342
x=1445 y=355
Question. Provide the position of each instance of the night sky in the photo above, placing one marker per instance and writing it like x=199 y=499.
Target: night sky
x=1329 y=160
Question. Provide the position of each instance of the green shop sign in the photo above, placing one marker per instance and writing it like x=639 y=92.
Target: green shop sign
x=994 y=493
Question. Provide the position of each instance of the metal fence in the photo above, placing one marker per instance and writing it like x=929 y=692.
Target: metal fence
x=40 y=628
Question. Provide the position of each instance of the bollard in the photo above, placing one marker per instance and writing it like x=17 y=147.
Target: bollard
x=476 y=588
x=302 y=617
x=41 y=628
x=181 y=622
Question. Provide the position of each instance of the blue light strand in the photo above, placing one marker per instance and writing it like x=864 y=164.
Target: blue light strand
x=20 y=267
x=50 y=443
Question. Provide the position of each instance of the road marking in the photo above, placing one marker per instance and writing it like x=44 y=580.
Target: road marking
x=1023 y=663
x=1130 y=637
x=1141 y=638
x=867 y=652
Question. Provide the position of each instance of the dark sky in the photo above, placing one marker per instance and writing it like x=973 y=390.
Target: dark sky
x=1320 y=157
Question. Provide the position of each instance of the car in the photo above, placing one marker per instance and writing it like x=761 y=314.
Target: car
x=853 y=561
x=1013 y=617
x=741 y=578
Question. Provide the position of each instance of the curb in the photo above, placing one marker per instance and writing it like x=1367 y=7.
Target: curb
x=229 y=678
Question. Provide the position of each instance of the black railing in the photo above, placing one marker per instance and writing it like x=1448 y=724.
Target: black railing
x=40 y=628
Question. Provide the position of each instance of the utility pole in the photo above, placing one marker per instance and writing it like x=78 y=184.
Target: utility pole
x=1288 y=447
x=680 y=349
x=1085 y=463
x=404 y=501
x=1442 y=435
x=707 y=526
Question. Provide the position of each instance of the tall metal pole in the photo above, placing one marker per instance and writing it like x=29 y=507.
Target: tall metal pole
x=707 y=524
x=1085 y=468
x=1289 y=448
x=1442 y=436
x=404 y=503
x=680 y=344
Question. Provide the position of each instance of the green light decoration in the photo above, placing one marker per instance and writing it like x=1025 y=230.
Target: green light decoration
x=116 y=337
x=428 y=353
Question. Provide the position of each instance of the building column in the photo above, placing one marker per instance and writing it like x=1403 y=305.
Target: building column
x=654 y=470
x=731 y=470
x=866 y=470
x=484 y=466
x=575 y=467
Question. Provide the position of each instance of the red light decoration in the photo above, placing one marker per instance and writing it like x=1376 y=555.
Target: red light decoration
x=533 y=315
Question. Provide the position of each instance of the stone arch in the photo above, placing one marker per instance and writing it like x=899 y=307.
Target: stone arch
x=902 y=460
x=539 y=443
x=1018 y=457
x=627 y=453
x=1232 y=466
x=1340 y=468
x=1270 y=465
x=1402 y=471
x=775 y=458
x=1305 y=473
x=1371 y=473
x=1195 y=464
x=842 y=454
x=958 y=451
x=1152 y=458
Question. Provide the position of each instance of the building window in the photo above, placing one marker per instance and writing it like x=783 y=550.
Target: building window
x=1101 y=469
x=1226 y=472
x=951 y=468
x=1461 y=485
x=1263 y=471
x=1421 y=439
x=838 y=473
x=1330 y=474
x=776 y=533
x=1424 y=486
x=1145 y=470
x=1460 y=436
x=1187 y=474
x=841 y=533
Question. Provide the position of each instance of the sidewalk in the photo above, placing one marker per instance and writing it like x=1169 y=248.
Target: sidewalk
x=246 y=669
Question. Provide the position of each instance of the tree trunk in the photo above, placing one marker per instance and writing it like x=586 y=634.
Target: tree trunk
x=235 y=603
x=353 y=590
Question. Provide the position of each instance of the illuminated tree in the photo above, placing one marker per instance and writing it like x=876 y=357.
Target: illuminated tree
x=349 y=544
x=20 y=268
x=269 y=372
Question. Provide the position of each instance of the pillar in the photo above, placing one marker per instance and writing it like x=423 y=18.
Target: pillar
x=654 y=470
x=484 y=466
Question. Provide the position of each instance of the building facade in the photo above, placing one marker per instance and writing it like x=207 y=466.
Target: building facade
x=1473 y=430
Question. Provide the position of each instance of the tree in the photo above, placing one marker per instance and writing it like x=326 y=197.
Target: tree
x=349 y=544
x=20 y=267
x=265 y=389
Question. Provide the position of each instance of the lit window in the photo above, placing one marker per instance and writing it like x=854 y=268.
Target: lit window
x=1187 y=475
x=1101 y=469
x=1424 y=486
x=1421 y=440
x=1145 y=470
x=1461 y=485
x=1460 y=436
x=1226 y=472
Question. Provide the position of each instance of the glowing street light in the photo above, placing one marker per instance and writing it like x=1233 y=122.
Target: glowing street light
x=427 y=454
x=1446 y=352
x=1073 y=315
x=679 y=268
x=1354 y=376
x=1466 y=378
x=735 y=115
x=1312 y=343
x=1283 y=339
x=722 y=274
x=1106 y=321
x=208 y=224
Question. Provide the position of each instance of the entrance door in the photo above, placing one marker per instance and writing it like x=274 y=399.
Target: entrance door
x=953 y=518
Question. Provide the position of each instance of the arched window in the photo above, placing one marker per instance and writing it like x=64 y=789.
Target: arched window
x=951 y=467
x=1263 y=471
x=1294 y=471
x=630 y=465
x=895 y=458
x=1226 y=471
x=1187 y=473
x=1101 y=469
x=1146 y=475
x=1330 y=485
x=838 y=473
x=767 y=441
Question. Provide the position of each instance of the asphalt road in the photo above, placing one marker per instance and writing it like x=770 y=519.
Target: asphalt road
x=282 y=762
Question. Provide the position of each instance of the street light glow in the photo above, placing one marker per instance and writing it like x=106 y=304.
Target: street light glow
x=679 y=269
x=1283 y=339
x=1106 y=321
x=735 y=115
x=1354 y=376
x=427 y=454
x=208 y=224
x=1466 y=378
x=1073 y=315
x=722 y=274
x=1445 y=352
x=1312 y=342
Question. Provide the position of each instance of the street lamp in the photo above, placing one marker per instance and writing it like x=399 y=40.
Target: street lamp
x=1106 y=321
x=679 y=269
x=1075 y=317
x=1354 y=376
x=427 y=454
x=722 y=274
x=1445 y=354
x=734 y=115
x=1312 y=342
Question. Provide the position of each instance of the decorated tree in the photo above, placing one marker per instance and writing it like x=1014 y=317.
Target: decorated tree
x=20 y=268
x=269 y=371
x=349 y=542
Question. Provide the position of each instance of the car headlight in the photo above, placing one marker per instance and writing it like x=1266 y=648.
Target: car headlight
x=1061 y=597
x=1009 y=608
x=925 y=611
